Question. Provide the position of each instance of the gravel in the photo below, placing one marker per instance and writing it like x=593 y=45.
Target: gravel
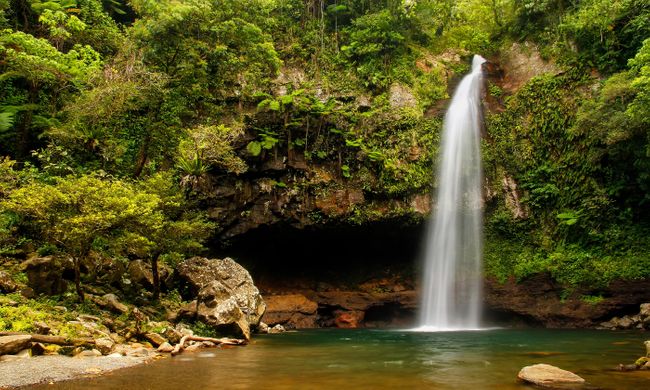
x=44 y=369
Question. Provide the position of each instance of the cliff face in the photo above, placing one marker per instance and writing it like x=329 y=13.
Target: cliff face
x=372 y=182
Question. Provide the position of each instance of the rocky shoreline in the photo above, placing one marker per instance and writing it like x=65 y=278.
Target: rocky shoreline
x=217 y=297
x=48 y=369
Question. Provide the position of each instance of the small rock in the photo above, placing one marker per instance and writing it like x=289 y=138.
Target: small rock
x=41 y=327
x=262 y=328
x=62 y=309
x=13 y=344
x=28 y=293
x=625 y=322
x=113 y=304
x=173 y=335
x=644 y=310
x=104 y=345
x=184 y=331
x=546 y=375
x=647 y=348
x=209 y=344
x=155 y=339
x=114 y=355
x=88 y=353
x=7 y=284
x=88 y=318
x=138 y=352
x=25 y=353
x=277 y=329
x=193 y=347
x=165 y=347
x=640 y=362
x=627 y=367
x=38 y=349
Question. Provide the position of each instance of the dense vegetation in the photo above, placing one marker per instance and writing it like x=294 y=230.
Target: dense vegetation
x=116 y=115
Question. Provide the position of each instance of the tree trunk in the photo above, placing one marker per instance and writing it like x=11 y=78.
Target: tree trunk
x=156 y=277
x=142 y=157
x=25 y=128
x=77 y=279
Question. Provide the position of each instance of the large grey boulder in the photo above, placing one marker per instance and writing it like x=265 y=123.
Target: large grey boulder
x=14 y=344
x=226 y=295
x=545 y=375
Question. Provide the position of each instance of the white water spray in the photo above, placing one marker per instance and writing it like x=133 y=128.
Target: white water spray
x=452 y=290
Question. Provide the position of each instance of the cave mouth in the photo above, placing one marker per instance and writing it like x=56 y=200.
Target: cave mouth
x=281 y=257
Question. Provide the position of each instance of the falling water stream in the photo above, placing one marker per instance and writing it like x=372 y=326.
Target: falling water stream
x=451 y=297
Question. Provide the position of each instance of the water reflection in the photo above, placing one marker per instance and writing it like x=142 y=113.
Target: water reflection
x=373 y=359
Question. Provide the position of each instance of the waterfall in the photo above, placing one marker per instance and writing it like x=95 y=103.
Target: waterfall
x=452 y=283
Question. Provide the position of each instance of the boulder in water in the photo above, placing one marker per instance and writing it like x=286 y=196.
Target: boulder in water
x=545 y=375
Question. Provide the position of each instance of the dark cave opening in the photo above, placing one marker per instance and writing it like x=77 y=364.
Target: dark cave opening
x=340 y=255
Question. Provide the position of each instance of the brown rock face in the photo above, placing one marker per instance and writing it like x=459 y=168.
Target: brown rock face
x=545 y=375
x=349 y=319
x=539 y=299
x=291 y=311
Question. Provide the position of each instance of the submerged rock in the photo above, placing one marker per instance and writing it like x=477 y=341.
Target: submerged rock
x=546 y=375
x=226 y=295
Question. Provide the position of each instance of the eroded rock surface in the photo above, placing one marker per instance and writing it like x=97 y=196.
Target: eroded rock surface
x=226 y=295
x=291 y=311
x=539 y=299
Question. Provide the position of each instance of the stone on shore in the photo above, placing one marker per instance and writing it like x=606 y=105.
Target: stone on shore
x=155 y=339
x=545 y=375
x=165 y=347
x=104 y=345
x=227 y=298
x=10 y=345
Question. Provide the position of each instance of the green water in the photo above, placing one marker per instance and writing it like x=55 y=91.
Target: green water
x=380 y=359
